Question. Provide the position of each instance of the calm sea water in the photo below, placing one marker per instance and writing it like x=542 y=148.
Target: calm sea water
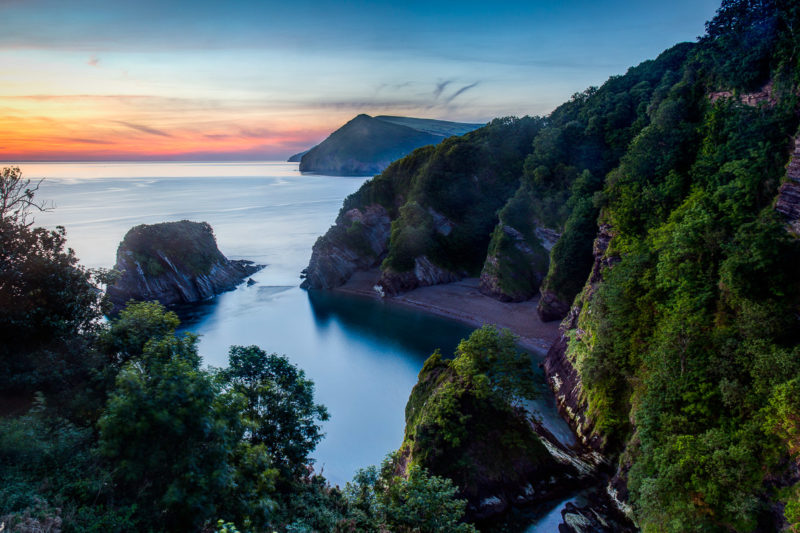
x=363 y=355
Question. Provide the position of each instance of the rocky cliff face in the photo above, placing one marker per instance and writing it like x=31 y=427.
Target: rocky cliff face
x=358 y=241
x=788 y=202
x=424 y=274
x=174 y=262
x=515 y=265
x=561 y=373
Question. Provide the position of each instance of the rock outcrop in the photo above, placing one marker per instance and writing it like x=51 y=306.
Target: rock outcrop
x=515 y=265
x=765 y=95
x=358 y=241
x=174 y=262
x=788 y=202
x=499 y=457
x=562 y=375
x=424 y=274
x=598 y=516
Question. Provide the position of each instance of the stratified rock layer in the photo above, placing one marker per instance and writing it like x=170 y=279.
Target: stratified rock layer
x=358 y=241
x=561 y=374
x=174 y=262
x=788 y=202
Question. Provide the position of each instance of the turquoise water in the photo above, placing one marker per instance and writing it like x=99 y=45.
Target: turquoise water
x=363 y=355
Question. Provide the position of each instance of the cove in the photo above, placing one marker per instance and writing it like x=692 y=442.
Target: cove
x=363 y=354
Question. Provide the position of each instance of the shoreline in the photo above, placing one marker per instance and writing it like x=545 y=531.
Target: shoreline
x=463 y=302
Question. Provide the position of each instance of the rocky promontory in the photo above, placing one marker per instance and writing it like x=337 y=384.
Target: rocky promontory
x=174 y=262
x=367 y=145
x=358 y=241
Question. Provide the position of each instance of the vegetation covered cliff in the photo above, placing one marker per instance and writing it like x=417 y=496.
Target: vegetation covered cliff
x=658 y=213
x=173 y=262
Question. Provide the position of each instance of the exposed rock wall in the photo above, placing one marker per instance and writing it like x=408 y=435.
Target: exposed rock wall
x=174 y=262
x=788 y=202
x=562 y=375
x=514 y=269
x=424 y=274
x=358 y=241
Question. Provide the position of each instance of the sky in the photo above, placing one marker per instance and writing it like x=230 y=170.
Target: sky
x=261 y=80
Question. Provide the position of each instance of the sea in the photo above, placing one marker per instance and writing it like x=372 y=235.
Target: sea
x=362 y=354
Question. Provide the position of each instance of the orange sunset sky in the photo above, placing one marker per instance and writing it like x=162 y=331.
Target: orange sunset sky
x=146 y=80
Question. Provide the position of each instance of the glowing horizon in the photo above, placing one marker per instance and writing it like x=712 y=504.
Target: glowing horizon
x=260 y=81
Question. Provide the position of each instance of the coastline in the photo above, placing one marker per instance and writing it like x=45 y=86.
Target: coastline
x=462 y=301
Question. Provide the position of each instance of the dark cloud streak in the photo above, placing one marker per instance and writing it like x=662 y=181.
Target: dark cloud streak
x=143 y=129
x=461 y=91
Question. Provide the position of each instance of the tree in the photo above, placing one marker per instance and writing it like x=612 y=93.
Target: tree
x=16 y=197
x=417 y=502
x=280 y=413
x=167 y=439
x=48 y=302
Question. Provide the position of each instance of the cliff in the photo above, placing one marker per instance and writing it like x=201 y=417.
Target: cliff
x=788 y=201
x=367 y=145
x=441 y=202
x=461 y=424
x=357 y=242
x=511 y=202
x=174 y=262
x=565 y=355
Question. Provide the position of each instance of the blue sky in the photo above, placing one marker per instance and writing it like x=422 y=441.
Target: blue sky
x=265 y=79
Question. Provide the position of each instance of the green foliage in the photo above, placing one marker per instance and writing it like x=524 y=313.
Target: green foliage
x=136 y=324
x=464 y=179
x=163 y=431
x=280 y=414
x=48 y=305
x=188 y=245
x=415 y=502
x=693 y=330
x=478 y=392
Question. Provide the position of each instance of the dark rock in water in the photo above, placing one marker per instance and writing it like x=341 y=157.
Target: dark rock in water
x=250 y=282
x=599 y=516
x=174 y=262
x=358 y=241
x=297 y=157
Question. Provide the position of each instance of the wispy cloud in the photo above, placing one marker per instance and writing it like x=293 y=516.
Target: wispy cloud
x=461 y=91
x=441 y=86
x=143 y=129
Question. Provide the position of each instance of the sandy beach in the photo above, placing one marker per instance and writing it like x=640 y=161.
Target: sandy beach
x=463 y=301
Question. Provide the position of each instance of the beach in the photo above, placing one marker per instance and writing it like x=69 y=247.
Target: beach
x=463 y=301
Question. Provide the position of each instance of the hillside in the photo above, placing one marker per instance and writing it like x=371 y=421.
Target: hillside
x=367 y=145
x=656 y=213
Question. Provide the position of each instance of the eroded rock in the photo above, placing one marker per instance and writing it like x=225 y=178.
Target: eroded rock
x=174 y=262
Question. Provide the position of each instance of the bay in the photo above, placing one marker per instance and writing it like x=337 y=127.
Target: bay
x=362 y=354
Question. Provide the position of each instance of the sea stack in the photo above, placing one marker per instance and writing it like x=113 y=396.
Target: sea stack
x=174 y=262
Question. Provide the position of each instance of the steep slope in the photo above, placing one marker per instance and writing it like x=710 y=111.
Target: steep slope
x=173 y=262
x=441 y=202
x=540 y=175
x=442 y=128
x=671 y=194
x=367 y=145
x=681 y=354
